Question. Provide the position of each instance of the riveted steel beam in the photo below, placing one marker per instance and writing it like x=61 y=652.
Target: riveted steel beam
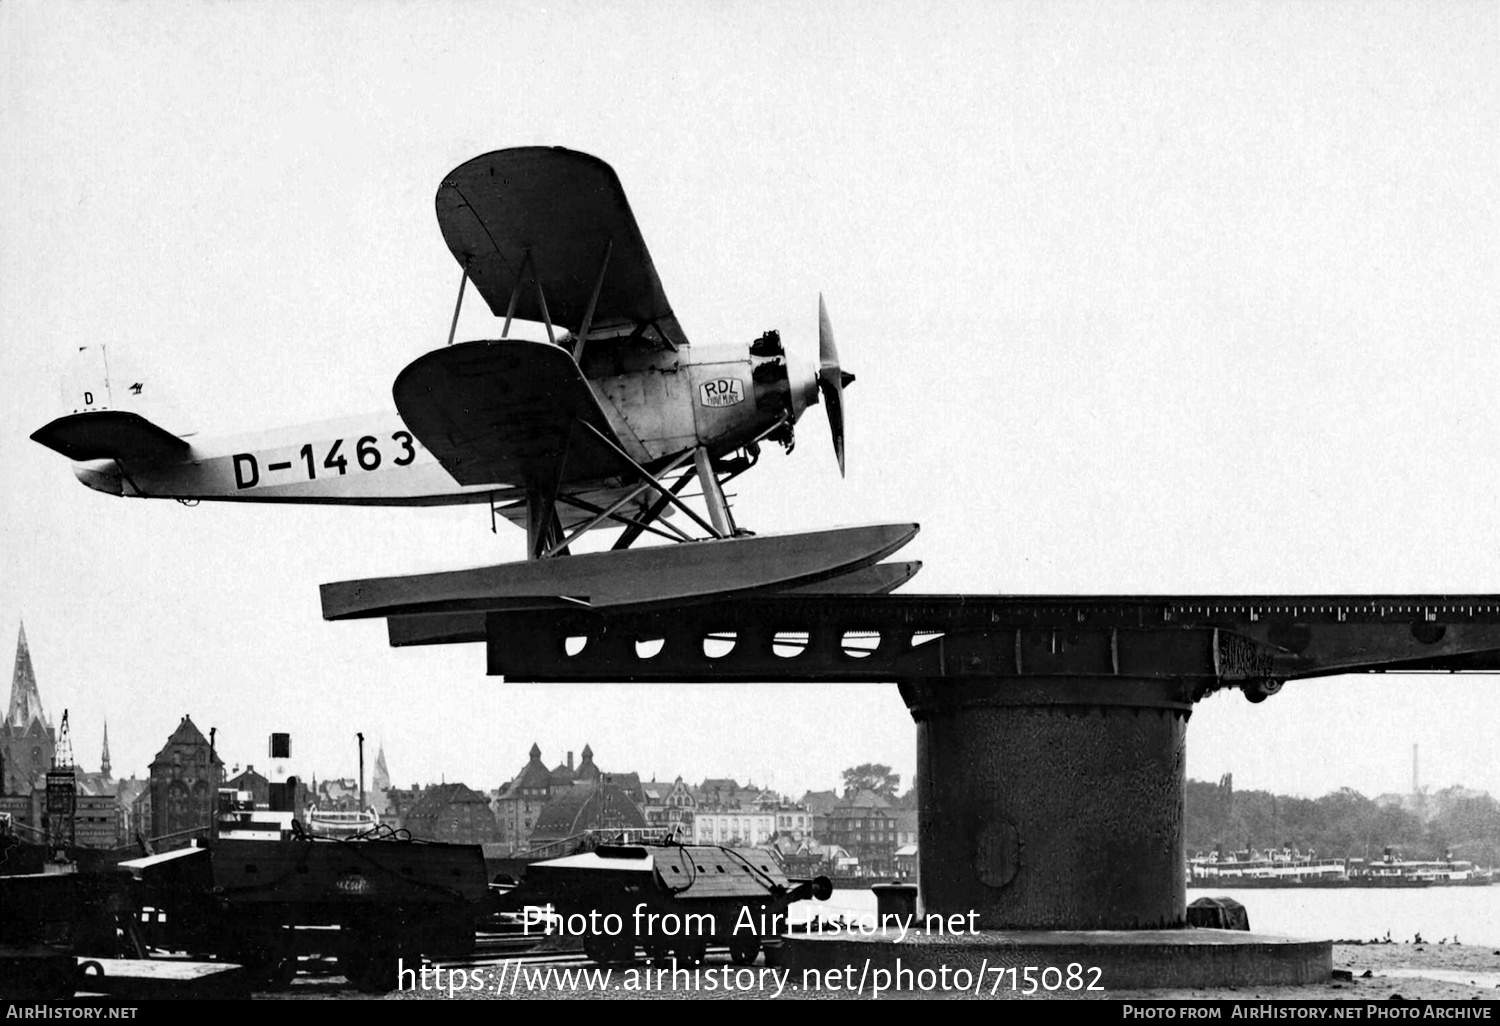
x=1211 y=642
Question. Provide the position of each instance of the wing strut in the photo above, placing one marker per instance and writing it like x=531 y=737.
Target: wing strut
x=462 y=281
x=653 y=514
x=515 y=293
x=610 y=511
x=528 y=264
x=672 y=534
x=541 y=300
x=713 y=495
x=543 y=525
x=588 y=314
x=646 y=475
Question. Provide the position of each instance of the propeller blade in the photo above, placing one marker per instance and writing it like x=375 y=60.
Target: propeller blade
x=831 y=381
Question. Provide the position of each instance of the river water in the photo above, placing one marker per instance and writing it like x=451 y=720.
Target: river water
x=1470 y=914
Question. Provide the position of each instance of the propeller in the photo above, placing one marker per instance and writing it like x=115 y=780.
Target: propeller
x=831 y=381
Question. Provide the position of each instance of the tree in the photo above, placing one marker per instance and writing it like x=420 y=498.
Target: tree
x=872 y=776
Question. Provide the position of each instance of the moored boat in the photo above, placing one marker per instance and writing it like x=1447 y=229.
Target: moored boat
x=1286 y=868
x=340 y=823
x=1290 y=868
x=1444 y=872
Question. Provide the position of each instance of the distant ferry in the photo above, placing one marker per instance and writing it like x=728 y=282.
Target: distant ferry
x=1286 y=868
x=1289 y=868
x=1448 y=872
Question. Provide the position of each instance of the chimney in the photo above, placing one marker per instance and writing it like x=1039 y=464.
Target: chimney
x=1415 y=790
x=570 y=762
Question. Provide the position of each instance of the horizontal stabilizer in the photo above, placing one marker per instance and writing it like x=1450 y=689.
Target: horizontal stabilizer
x=698 y=571
x=110 y=435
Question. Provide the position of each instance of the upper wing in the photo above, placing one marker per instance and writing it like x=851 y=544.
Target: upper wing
x=505 y=412
x=567 y=210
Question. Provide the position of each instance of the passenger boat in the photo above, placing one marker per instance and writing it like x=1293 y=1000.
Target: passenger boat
x=339 y=823
x=1446 y=872
x=1286 y=868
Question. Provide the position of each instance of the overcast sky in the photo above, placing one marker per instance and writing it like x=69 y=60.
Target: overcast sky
x=1142 y=298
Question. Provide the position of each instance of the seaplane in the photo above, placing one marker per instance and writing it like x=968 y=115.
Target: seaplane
x=607 y=424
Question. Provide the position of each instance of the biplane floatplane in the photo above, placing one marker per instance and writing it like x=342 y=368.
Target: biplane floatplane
x=606 y=424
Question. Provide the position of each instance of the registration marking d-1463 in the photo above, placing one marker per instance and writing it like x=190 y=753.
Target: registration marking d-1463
x=366 y=456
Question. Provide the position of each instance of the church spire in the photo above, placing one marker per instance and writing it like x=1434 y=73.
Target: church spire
x=382 y=774
x=104 y=759
x=25 y=700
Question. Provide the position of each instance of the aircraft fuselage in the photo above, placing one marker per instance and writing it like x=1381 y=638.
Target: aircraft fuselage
x=661 y=404
x=370 y=460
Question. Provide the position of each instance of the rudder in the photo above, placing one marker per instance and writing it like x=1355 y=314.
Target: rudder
x=98 y=427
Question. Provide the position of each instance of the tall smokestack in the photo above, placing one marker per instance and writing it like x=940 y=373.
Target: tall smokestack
x=1415 y=788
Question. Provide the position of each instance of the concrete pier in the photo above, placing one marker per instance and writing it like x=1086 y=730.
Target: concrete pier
x=1053 y=805
x=1051 y=836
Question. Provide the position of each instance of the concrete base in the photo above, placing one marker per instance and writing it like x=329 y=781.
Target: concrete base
x=1124 y=960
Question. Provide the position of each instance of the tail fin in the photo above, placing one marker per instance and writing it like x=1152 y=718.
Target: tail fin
x=106 y=422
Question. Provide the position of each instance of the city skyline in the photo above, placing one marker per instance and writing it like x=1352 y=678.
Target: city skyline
x=566 y=756
x=372 y=749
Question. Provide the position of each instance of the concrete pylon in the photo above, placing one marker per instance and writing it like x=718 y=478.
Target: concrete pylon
x=1052 y=805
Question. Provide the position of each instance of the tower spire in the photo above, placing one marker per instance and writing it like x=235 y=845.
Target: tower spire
x=104 y=759
x=25 y=700
x=382 y=779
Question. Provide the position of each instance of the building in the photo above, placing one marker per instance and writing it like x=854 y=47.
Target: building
x=681 y=807
x=395 y=804
x=757 y=817
x=140 y=814
x=563 y=773
x=801 y=858
x=255 y=783
x=654 y=803
x=381 y=781
x=521 y=801
x=28 y=749
x=718 y=793
x=185 y=779
x=669 y=808
x=28 y=744
x=452 y=812
x=587 y=773
x=793 y=821
x=127 y=792
x=519 y=806
x=98 y=821
x=750 y=826
x=906 y=826
x=602 y=808
x=865 y=825
x=818 y=805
